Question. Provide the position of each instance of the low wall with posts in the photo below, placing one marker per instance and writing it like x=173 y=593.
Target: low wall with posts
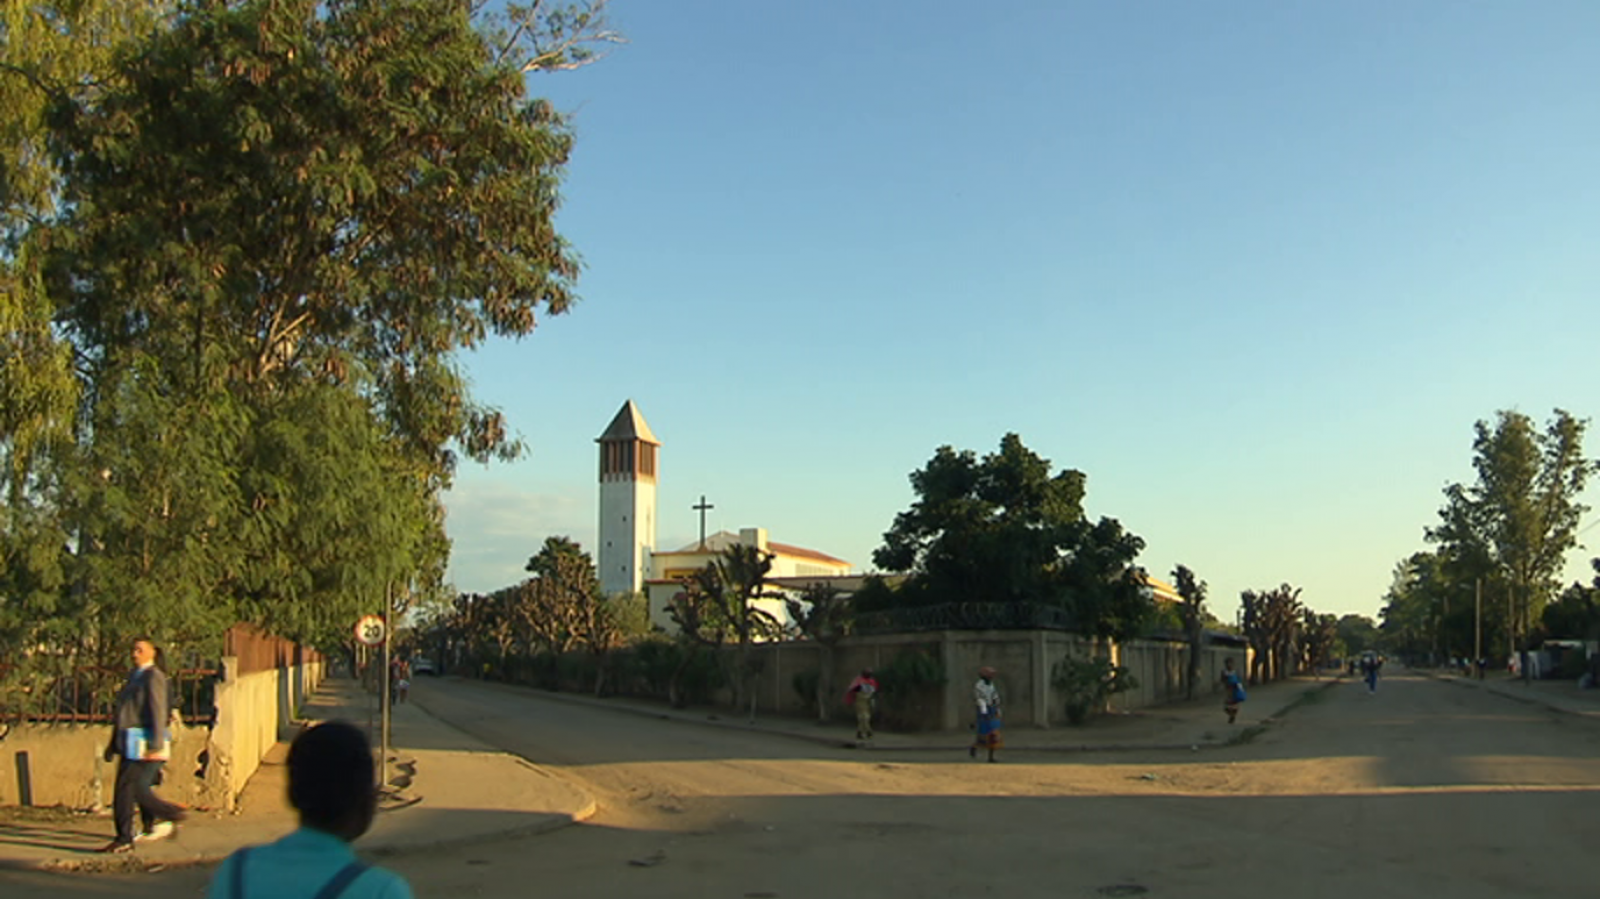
x=64 y=765
x=1024 y=662
x=263 y=682
x=257 y=692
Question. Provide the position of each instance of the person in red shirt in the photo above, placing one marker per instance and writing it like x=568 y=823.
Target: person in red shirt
x=862 y=693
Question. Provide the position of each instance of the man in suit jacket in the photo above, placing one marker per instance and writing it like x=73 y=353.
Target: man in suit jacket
x=141 y=745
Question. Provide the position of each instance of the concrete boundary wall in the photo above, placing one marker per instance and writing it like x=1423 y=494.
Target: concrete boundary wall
x=62 y=764
x=1025 y=661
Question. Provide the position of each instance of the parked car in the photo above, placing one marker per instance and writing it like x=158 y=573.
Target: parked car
x=420 y=665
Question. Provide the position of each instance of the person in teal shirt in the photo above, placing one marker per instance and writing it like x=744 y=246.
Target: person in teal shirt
x=331 y=785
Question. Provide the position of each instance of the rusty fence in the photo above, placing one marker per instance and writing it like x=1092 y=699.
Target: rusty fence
x=87 y=694
x=62 y=689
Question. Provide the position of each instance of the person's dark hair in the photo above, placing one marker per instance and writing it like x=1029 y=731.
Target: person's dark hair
x=330 y=774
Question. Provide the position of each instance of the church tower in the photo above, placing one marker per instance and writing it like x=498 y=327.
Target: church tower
x=628 y=467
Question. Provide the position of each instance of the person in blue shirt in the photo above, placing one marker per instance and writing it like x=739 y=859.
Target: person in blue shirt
x=331 y=785
x=1232 y=690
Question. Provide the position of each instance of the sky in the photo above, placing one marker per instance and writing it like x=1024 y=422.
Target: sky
x=1255 y=268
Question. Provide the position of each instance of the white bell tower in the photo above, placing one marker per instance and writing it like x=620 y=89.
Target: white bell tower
x=629 y=457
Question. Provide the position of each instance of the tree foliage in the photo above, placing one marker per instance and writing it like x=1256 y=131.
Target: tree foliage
x=1575 y=614
x=1321 y=634
x=1272 y=621
x=821 y=613
x=1003 y=529
x=1517 y=521
x=1192 y=592
x=244 y=244
x=718 y=604
x=1356 y=634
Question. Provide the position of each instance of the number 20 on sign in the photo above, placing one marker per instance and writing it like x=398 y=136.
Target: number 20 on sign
x=369 y=630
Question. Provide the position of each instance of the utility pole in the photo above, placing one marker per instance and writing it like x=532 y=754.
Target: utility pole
x=1511 y=626
x=1477 y=626
x=1444 y=627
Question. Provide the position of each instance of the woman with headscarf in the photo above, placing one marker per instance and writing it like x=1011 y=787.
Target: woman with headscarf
x=987 y=696
x=861 y=694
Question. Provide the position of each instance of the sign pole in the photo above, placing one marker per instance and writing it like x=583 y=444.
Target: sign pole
x=388 y=687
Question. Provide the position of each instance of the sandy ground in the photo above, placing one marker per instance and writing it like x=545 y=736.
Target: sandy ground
x=1424 y=789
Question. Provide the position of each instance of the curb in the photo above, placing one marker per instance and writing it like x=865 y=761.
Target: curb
x=93 y=865
x=838 y=743
x=96 y=866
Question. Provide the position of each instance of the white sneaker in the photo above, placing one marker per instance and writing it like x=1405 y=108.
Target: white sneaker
x=158 y=831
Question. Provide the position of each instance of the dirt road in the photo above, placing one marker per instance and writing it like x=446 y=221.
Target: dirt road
x=1423 y=789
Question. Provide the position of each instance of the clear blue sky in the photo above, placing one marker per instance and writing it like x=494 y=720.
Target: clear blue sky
x=1254 y=267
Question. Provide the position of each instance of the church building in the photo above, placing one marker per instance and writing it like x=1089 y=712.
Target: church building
x=626 y=558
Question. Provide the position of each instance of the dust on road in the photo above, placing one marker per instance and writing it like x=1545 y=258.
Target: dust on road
x=1423 y=789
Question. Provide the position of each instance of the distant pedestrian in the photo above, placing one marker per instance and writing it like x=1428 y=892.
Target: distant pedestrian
x=987 y=697
x=1369 y=672
x=331 y=786
x=141 y=744
x=402 y=680
x=1233 y=690
x=863 y=692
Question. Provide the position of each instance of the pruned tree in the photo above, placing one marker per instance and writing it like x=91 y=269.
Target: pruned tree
x=1281 y=618
x=565 y=600
x=1192 y=592
x=1253 y=621
x=1321 y=632
x=823 y=615
x=743 y=572
x=697 y=611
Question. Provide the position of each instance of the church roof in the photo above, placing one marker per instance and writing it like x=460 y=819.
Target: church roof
x=628 y=425
x=802 y=553
x=721 y=540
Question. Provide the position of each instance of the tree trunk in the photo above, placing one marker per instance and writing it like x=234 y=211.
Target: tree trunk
x=824 y=687
x=1196 y=635
x=675 y=697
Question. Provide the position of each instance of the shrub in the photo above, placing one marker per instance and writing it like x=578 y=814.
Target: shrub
x=907 y=686
x=1088 y=683
x=805 y=686
x=648 y=669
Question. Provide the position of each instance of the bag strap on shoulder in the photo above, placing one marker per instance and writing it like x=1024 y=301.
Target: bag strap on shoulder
x=347 y=875
x=238 y=873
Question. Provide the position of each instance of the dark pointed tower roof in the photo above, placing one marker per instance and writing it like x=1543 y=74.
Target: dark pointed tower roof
x=628 y=425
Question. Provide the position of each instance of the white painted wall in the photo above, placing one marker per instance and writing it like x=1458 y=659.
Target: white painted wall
x=627 y=533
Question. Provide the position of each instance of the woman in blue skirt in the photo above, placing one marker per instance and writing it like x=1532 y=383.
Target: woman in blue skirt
x=987 y=696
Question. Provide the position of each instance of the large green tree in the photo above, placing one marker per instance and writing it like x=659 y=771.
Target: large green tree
x=1520 y=517
x=1575 y=614
x=233 y=292
x=1004 y=529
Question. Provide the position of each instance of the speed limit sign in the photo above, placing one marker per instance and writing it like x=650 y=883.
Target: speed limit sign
x=369 y=630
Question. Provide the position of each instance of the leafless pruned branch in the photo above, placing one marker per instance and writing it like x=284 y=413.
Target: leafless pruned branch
x=552 y=37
